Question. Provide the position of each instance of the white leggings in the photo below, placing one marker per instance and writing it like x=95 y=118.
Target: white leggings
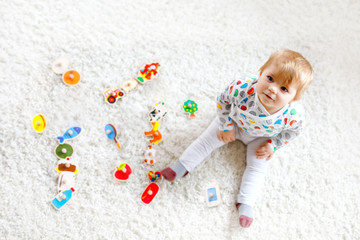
x=254 y=174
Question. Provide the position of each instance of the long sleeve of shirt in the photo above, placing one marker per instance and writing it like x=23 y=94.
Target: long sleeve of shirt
x=238 y=105
x=233 y=95
x=294 y=122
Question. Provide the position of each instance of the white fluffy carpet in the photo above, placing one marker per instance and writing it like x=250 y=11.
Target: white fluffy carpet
x=312 y=188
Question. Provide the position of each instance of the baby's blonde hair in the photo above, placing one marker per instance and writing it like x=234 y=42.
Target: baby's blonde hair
x=293 y=67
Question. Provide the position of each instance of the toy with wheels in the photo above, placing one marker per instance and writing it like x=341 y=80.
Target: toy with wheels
x=112 y=94
x=148 y=73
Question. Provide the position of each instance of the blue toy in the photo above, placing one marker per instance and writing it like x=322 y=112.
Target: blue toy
x=62 y=198
x=69 y=134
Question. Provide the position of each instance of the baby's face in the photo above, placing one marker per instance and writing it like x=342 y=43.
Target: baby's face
x=272 y=94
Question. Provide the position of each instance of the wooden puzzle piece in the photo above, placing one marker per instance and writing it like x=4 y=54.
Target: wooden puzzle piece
x=123 y=172
x=112 y=94
x=158 y=112
x=150 y=193
x=39 y=123
x=66 y=181
x=69 y=134
x=154 y=132
x=60 y=65
x=62 y=198
x=149 y=72
x=66 y=165
x=150 y=155
x=64 y=150
x=154 y=176
x=190 y=107
x=111 y=133
x=129 y=85
x=71 y=77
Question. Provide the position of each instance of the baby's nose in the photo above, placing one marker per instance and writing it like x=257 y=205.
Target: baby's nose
x=272 y=90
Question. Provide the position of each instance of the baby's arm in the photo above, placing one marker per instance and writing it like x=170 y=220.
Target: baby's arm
x=232 y=95
x=293 y=128
x=227 y=136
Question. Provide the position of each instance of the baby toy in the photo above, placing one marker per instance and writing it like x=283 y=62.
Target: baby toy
x=66 y=165
x=123 y=172
x=190 y=107
x=129 y=85
x=150 y=155
x=62 y=198
x=69 y=134
x=147 y=73
x=60 y=65
x=69 y=77
x=66 y=181
x=111 y=133
x=112 y=94
x=154 y=176
x=152 y=189
x=156 y=114
x=212 y=196
x=39 y=123
x=64 y=150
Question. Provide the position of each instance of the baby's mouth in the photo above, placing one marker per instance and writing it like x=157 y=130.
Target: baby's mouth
x=268 y=96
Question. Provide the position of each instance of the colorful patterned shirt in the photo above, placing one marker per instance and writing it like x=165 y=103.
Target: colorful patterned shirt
x=239 y=104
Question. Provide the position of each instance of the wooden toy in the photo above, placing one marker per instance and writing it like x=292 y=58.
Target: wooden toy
x=39 y=123
x=71 y=77
x=212 y=196
x=129 y=85
x=154 y=132
x=112 y=94
x=60 y=65
x=150 y=193
x=150 y=155
x=64 y=150
x=156 y=114
x=69 y=134
x=66 y=181
x=66 y=165
x=123 y=172
x=111 y=133
x=62 y=198
x=153 y=176
x=190 y=107
x=149 y=72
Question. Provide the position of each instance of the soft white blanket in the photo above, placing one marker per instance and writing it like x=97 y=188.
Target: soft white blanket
x=312 y=188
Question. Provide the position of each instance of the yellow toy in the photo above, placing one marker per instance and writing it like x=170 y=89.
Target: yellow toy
x=39 y=123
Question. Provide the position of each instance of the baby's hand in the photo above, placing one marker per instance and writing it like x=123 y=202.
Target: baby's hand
x=226 y=137
x=264 y=151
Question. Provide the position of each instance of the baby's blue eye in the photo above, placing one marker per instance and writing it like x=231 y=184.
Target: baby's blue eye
x=284 y=89
x=270 y=78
